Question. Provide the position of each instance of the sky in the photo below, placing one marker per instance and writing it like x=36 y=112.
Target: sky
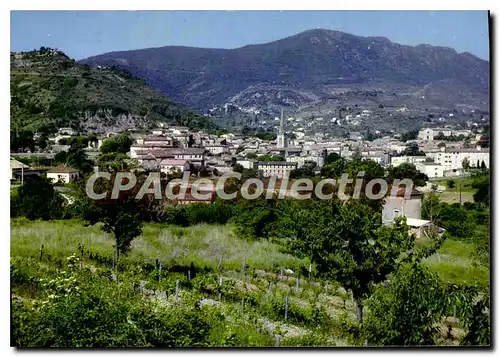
x=81 y=34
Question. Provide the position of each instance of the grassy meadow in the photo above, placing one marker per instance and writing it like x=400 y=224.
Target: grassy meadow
x=253 y=293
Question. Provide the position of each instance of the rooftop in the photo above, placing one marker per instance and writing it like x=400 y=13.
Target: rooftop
x=15 y=164
x=62 y=169
x=172 y=162
x=414 y=222
x=277 y=163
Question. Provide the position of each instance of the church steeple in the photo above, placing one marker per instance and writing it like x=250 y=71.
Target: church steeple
x=282 y=124
x=281 y=132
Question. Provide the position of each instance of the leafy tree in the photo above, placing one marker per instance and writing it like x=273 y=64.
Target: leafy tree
x=482 y=185
x=465 y=163
x=75 y=157
x=479 y=322
x=204 y=172
x=406 y=171
x=120 y=216
x=64 y=141
x=42 y=142
x=456 y=220
x=116 y=162
x=348 y=244
x=22 y=140
x=332 y=157
x=431 y=207
x=119 y=143
x=37 y=199
x=484 y=142
x=254 y=217
x=371 y=169
x=249 y=173
x=412 y=149
x=334 y=167
x=407 y=311
x=409 y=135
x=270 y=158
x=61 y=157
x=266 y=136
x=238 y=168
x=450 y=183
x=307 y=170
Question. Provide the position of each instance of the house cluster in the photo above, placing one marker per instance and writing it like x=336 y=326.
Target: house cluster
x=59 y=174
x=177 y=148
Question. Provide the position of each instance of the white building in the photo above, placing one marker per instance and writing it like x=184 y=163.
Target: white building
x=66 y=131
x=158 y=141
x=398 y=160
x=193 y=155
x=217 y=149
x=63 y=174
x=280 y=169
x=426 y=134
x=166 y=165
x=247 y=164
x=453 y=158
x=302 y=160
x=431 y=169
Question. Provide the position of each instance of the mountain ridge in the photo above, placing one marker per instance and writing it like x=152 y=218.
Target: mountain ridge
x=314 y=63
x=50 y=90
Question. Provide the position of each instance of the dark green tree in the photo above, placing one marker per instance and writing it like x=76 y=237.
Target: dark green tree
x=37 y=199
x=407 y=311
x=406 y=171
x=334 y=167
x=482 y=186
x=120 y=216
x=412 y=149
x=348 y=244
x=119 y=143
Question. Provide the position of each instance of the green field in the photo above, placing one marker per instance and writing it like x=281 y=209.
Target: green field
x=317 y=313
x=454 y=264
x=201 y=245
x=461 y=192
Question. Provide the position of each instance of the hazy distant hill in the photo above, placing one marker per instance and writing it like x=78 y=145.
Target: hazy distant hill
x=309 y=67
x=49 y=90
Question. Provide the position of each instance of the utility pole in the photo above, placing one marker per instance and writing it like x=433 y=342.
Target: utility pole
x=460 y=192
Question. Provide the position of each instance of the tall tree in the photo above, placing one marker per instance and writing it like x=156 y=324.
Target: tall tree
x=406 y=171
x=119 y=143
x=37 y=199
x=407 y=311
x=120 y=216
x=348 y=244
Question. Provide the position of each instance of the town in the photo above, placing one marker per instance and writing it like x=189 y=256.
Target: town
x=437 y=152
x=320 y=189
